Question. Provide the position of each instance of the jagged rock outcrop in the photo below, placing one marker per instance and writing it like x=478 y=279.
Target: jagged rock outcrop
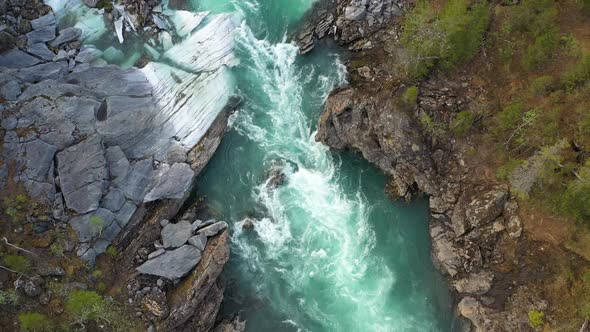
x=347 y=22
x=473 y=221
x=113 y=151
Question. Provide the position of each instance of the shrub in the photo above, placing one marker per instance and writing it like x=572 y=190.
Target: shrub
x=578 y=75
x=541 y=86
x=10 y=297
x=464 y=26
x=56 y=250
x=112 y=251
x=410 y=96
x=509 y=117
x=14 y=205
x=430 y=126
x=536 y=318
x=97 y=225
x=84 y=306
x=462 y=123
x=575 y=200
x=541 y=50
x=446 y=38
x=17 y=263
x=586 y=279
x=531 y=17
x=505 y=170
x=33 y=321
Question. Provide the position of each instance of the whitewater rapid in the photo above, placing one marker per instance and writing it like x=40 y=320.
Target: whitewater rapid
x=314 y=237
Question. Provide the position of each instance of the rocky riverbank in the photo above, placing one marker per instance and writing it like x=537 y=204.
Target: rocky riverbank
x=478 y=240
x=112 y=154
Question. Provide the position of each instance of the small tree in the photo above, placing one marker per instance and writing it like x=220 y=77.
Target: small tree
x=97 y=225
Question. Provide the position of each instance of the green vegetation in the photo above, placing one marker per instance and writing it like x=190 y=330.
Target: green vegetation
x=443 y=38
x=56 y=250
x=112 y=251
x=8 y=297
x=536 y=318
x=541 y=51
x=97 y=225
x=509 y=117
x=531 y=27
x=17 y=263
x=34 y=322
x=15 y=206
x=541 y=86
x=462 y=123
x=578 y=75
x=505 y=170
x=410 y=96
x=430 y=126
x=575 y=200
x=84 y=306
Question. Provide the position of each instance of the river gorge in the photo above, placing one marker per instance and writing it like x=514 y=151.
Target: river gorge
x=328 y=250
x=236 y=165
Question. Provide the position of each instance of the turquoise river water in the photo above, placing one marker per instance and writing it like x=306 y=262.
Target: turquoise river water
x=329 y=251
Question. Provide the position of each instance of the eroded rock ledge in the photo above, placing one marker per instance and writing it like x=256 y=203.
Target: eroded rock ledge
x=476 y=232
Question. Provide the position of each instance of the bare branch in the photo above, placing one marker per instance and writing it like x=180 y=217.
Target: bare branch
x=18 y=248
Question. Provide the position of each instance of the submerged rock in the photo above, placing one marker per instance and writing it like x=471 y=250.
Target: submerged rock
x=173 y=264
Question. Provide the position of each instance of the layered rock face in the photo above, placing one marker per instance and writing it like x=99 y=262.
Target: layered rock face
x=101 y=141
x=114 y=151
x=474 y=224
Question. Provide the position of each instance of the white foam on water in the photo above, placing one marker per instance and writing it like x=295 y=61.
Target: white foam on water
x=316 y=238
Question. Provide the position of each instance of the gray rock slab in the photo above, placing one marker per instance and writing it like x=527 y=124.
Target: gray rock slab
x=17 y=59
x=125 y=213
x=43 y=21
x=43 y=71
x=204 y=224
x=88 y=230
x=41 y=35
x=10 y=90
x=156 y=253
x=199 y=241
x=196 y=224
x=172 y=184
x=41 y=50
x=39 y=159
x=118 y=163
x=112 y=81
x=113 y=200
x=172 y=264
x=135 y=184
x=175 y=235
x=66 y=35
x=82 y=173
x=213 y=229
x=88 y=54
